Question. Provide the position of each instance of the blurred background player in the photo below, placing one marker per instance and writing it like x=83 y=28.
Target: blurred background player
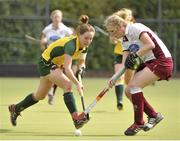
x=51 y=33
x=127 y=15
x=55 y=67
x=146 y=72
x=119 y=86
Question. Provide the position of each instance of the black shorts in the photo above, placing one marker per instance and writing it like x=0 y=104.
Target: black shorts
x=44 y=67
x=117 y=59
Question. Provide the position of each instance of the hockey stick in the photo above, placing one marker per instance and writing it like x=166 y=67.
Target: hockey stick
x=104 y=91
x=82 y=96
x=98 y=29
x=32 y=38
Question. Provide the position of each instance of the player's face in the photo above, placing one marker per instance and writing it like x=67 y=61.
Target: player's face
x=115 y=32
x=86 y=39
x=56 y=18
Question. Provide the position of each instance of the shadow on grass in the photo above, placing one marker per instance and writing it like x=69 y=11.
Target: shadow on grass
x=60 y=134
x=5 y=130
x=96 y=111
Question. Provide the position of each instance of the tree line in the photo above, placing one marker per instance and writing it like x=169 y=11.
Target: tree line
x=21 y=17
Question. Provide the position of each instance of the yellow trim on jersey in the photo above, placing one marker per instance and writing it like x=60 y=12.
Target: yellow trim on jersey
x=77 y=53
x=59 y=60
x=118 y=48
x=60 y=42
x=121 y=80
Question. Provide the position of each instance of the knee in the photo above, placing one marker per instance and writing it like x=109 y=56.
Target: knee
x=39 y=96
x=128 y=95
x=131 y=89
x=127 y=90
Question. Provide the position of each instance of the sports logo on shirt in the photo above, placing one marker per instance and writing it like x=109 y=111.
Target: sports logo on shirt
x=133 y=48
x=53 y=38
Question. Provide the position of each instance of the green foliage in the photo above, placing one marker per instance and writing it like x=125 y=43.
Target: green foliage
x=20 y=17
x=100 y=56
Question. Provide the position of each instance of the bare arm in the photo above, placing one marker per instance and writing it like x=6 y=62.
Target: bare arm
x=125 y=54
x=43 y=42
x=70 y=74
x=68 y=69
x=81 y=61
x=147 y=44
x=128 y=73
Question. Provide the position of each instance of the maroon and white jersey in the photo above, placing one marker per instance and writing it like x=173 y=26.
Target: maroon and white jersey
x=132 y=35
x=134 y=46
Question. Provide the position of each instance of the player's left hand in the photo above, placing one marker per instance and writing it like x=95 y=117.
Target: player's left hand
x=133 y=61
x=111 y=82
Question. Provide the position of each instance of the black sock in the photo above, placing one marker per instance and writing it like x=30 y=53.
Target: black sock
x=27 y=102
x=70 y=102
x=119 y=93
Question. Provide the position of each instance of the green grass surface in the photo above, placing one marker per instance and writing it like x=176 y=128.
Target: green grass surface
x=43 y=121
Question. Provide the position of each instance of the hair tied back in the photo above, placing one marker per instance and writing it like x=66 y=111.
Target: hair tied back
x=84 y=19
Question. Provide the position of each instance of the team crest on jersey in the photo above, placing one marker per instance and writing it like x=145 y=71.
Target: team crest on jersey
x=133 y=48
x=54 y=38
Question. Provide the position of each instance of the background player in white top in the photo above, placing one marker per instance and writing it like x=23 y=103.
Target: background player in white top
x=51 y=33
x=159 y=68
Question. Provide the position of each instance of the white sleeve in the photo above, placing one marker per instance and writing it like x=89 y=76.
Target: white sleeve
x=125 y=46
x=69 y=31
x=45 y=30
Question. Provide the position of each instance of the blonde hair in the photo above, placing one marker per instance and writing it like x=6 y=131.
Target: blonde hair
x=114 y=20
x=57 y=11
x=126 y=14
x=84 y=25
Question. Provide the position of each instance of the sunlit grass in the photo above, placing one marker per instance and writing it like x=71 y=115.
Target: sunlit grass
x=43 y=122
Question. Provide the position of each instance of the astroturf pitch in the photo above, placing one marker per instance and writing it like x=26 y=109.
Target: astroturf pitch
x=45 y=122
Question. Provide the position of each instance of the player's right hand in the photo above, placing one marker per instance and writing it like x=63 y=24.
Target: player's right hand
x=133 y=61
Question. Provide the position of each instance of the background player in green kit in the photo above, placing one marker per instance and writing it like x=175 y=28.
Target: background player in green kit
x=119 y=86
x=127 y=15
x=55 y=68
